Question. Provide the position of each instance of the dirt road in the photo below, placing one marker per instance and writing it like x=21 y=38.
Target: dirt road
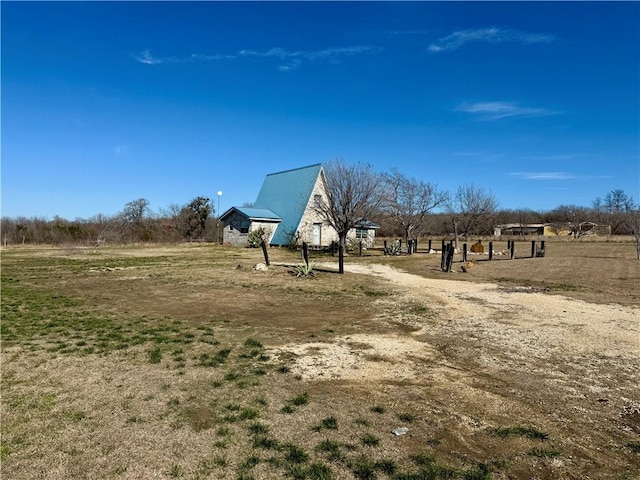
x=494 y=356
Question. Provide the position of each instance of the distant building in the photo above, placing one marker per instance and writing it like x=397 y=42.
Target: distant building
x=551 y=229
x=285 y=210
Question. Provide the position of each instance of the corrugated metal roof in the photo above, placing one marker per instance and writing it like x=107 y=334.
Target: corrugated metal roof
x=259 y=213
x=252 y=213
x=287 y=195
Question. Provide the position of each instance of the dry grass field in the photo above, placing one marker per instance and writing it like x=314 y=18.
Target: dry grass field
x=185 y=362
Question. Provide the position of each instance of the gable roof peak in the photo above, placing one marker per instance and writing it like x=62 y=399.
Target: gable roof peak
x=314 y=166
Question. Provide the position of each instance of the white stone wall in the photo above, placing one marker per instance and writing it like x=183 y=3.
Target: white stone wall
x=311 y=217
x=268 y=227
x=328 y=235
x=368 y=242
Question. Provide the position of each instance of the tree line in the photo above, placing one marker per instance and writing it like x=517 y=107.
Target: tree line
x=403 y=206
x=135 y=223
x=406 y=206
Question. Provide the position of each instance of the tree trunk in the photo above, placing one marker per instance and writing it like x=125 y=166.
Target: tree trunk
x=341 y=244
x=455 y=232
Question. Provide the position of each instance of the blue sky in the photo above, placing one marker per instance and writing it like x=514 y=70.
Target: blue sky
x=104 y=103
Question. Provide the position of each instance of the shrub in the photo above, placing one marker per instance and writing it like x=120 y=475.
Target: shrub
x=256 y=237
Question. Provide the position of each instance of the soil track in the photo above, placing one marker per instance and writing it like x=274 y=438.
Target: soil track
x=489 y=356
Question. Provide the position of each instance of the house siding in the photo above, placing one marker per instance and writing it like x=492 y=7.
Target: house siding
x=237 y=229
x=310 y=217
x=368 y=239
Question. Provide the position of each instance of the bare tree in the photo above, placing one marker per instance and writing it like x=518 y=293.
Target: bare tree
x=633 y=220
x=470 y=210
x=525 y=217
x=133 y=217
x=99 y=228
x=353 y=194
x=408 y=202
x=618 y=206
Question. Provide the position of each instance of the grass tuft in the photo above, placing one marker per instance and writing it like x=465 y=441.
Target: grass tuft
x=544 y=452
x=295 y=454
x=155 y=355
x=406 y=417
x=633 y=446
x=329 y=423
x=369 y=440
x=520 y=431
x=300 y=400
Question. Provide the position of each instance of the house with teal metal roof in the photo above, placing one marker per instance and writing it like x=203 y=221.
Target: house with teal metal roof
x=285 y=210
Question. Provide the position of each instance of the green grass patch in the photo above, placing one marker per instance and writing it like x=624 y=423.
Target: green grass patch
x=520 y=431
x=406 y=417
x=329 y=423
x=252 y=343
x=544 y=452
x=300 y=400
x=633 y=446
x=369 y=440
x=331 y=448
x=155 y=355
x=295 y=454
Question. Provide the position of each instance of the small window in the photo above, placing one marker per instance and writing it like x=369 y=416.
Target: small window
x=244 y=229
x=362 y=233
x=317 y=200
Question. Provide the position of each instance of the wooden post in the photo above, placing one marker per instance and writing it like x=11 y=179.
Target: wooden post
x=450 y=257
x=384 y=248
x=415 y=246
x=264 y=252
x=429 y=246
x=533 y=248
x=513 y=249
x=442 y=249
x=508 y=244
x=443 y=256
x=464 y=252
x=542 y=250
x=305 y=253
x=409 y=247
x=399 y=245
x=490 y=250
x=360 y=248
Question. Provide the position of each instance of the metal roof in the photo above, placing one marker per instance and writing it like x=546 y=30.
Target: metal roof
x=253 y=213
x=287 y=194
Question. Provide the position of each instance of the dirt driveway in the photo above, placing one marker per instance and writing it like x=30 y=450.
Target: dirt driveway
x=485 y=356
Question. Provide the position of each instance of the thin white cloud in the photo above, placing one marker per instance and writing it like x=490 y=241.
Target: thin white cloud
x=552 y=176
x=408 y=32
x=292 y=59
x=146 y=58
x=490 y=111
x=544 y=175
x=460 y=38
x=120 y=149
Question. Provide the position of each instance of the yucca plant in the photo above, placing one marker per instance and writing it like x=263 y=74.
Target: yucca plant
x=393 y=248
x=304 y=270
